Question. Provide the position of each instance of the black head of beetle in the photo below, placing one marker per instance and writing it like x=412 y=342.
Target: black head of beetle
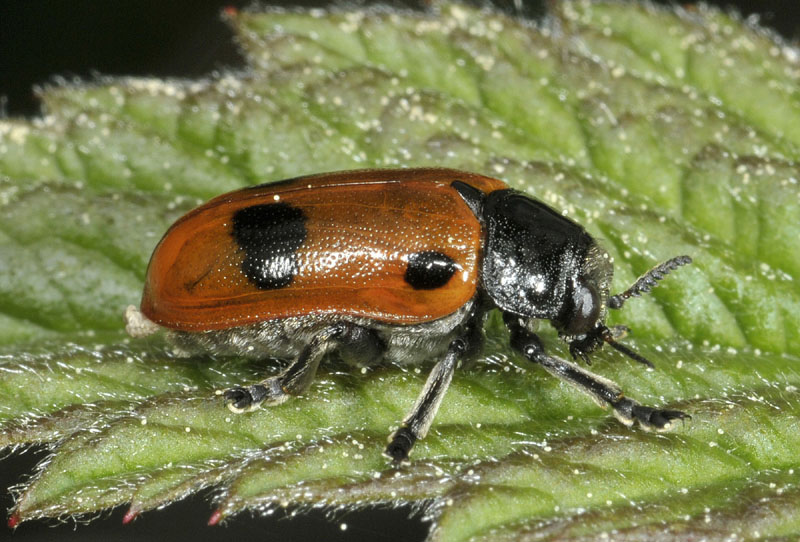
x=539 y=265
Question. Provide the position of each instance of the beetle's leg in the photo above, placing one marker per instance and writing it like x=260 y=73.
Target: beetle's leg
x=298 y=376
x=415 y=426
x=417 y=423
x=603 y=391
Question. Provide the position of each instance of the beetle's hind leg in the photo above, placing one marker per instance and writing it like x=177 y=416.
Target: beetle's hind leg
x=603 y=391
x=355 y=341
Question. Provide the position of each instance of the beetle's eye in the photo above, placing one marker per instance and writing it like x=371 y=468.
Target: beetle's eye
x=582 y=316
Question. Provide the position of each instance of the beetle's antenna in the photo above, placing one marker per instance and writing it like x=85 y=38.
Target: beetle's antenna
x=628 y=352
x=612 y=334
x=645 y=283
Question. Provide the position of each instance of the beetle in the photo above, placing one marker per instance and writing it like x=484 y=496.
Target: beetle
x=399 y=265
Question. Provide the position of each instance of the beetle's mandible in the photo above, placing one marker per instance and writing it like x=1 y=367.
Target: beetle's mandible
x=398 y=265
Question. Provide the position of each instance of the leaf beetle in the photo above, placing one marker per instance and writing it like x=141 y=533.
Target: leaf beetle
x=400 y=265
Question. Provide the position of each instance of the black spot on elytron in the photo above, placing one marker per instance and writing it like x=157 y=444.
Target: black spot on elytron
x=269 y=235
x=429 y=269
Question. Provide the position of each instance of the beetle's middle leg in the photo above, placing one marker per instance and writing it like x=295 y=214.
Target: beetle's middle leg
x=417 y=423
x=603 y=391
x=355 y=341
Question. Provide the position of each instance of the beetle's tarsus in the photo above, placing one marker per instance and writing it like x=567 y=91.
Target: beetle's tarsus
x=237 y=400
x=240 y=399
x=650 y=419
x=247 y=398
x=400 y=444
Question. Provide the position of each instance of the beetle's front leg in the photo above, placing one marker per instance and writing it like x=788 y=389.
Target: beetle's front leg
x=603 y=391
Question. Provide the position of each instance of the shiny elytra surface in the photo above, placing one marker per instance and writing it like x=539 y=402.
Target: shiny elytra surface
x=361 y=227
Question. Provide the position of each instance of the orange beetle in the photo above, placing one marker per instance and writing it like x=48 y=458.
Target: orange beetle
x=401 y=265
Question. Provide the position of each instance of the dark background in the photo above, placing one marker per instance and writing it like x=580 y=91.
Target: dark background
x=41 y=39
x=44 y=39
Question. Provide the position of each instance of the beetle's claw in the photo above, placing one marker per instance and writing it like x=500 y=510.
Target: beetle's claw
x=651 y=419
x=241 y=399
x=663 y=420
x=244 y=399
x=238 y=400
x=400 y=444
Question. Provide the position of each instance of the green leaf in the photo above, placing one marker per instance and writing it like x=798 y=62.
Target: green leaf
x=664 y=132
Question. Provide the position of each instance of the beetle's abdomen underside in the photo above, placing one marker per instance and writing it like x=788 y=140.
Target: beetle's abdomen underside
x=396 y=246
